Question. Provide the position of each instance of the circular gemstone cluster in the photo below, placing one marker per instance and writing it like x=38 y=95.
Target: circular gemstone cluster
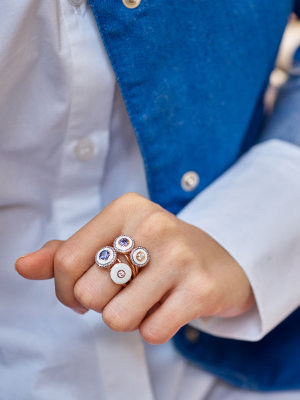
x=139 y=256
x=106 y=257
x=124 y=244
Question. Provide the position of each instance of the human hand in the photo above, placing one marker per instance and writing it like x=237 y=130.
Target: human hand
x=189 y=274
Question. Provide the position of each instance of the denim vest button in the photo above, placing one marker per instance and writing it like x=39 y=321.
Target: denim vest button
x=191 y=334
x=190 y=181
x=76 y=3
x=84 y=150
x=131 y=3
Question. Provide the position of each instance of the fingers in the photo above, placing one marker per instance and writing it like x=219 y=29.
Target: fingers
x=173 y=313
x=40 y=264
x=77 y=255
x=95 y=288
x=126 y=311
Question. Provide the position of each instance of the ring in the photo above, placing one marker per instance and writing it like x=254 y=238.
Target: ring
x=120 y=272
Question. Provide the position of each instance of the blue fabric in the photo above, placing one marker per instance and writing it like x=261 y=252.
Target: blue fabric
x=297 y=7
x=297 y=55
x=271 y=364
x=192 y=75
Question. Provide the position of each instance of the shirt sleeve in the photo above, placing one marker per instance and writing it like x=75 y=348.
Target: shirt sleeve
x=253 y=211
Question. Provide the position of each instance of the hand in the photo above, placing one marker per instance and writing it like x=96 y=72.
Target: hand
x=189 y=274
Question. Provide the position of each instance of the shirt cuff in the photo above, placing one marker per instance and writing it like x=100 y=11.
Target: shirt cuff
x=253 y=211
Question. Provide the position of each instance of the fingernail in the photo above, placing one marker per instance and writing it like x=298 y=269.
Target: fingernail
x=81 y=312
x=25 y=255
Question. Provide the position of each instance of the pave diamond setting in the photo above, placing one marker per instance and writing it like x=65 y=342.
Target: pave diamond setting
x=139 y=256
x=123 y=244
x=106 y=257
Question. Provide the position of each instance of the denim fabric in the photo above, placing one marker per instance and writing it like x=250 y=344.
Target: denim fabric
x=273 y=363
x=297 y=56
x=285 y=122
x=192 y=75
x=297 y=7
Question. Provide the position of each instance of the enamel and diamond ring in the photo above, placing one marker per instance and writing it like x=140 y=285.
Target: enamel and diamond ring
x=121 y=272
x=124 y=244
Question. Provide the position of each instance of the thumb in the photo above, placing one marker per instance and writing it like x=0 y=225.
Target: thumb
x=40 y=264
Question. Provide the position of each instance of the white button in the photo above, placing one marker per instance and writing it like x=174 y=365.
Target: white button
x=76 y=3
x=190 y=181
x=131 y=3
x=84 y=150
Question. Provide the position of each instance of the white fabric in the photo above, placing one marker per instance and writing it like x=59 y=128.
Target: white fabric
x=259 y=225
x=66 y=143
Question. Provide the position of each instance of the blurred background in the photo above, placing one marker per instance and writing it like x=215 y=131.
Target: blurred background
x=288 y=62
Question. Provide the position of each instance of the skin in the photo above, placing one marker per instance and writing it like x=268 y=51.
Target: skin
x=189 y=274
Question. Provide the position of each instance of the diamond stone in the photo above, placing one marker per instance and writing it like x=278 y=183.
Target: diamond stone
x=140 y=256
x=121 y=273
x=104 y=255
x=123 y=242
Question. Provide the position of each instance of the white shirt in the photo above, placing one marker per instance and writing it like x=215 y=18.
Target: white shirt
x=65 y=143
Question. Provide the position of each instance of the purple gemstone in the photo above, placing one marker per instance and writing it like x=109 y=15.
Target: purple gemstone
x=123 y=242
x=104 y=254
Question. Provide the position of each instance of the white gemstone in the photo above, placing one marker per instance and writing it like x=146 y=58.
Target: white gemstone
x=116 y=269
x=121 y=274
x=139 y=256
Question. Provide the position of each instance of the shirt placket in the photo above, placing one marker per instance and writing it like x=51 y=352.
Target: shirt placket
x=123 y=367
x=85 y=148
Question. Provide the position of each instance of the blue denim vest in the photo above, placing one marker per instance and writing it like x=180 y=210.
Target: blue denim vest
x=192 y=75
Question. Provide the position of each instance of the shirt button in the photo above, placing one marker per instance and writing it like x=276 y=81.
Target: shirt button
x=190 y=181
x=84 y=150
x=76 y=3
x=131 y=3
x=191 y=334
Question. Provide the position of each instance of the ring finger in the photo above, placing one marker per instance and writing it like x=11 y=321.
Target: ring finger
x=95 y=288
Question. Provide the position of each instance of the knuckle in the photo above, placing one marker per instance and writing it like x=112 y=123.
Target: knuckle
x=126 y=204
x=158 y=223
x=128 y=200
x=131 y=197
x=207 y=287
x=64 y=261
x=51 y=243
x=182 y=254
x=199 y=293
x=115 y=321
